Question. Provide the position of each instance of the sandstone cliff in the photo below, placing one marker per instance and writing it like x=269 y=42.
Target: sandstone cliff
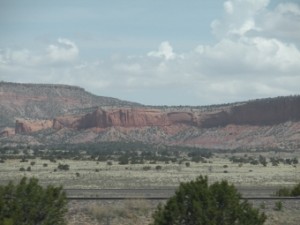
x=46 y=101
x=100 y=118
x=30 y=126
x=52 y=114
x=260 y=112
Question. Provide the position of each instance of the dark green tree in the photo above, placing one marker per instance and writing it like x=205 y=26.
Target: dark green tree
x=296 y=190
x=198 y=203
x=28 y=203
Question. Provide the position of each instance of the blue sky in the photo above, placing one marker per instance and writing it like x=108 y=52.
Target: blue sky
x=169 y=52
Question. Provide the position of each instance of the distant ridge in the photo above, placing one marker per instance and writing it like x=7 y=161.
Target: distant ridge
x=35 y=114
x=43 y=101
x=32 y=85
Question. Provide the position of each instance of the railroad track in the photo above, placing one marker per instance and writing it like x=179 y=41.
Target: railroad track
x=166 y=198
x=248 y=193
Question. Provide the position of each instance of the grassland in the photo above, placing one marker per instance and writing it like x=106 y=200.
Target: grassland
x=89 y=172
x=95 y=174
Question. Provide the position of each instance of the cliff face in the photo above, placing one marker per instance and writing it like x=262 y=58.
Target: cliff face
x=45 y=101
x=30 y=126
x=261 y=112
x=123 y=117
x=68 y=114
x=258 y=113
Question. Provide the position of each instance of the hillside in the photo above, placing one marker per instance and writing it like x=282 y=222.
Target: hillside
x=52 y=114
x=44 y=101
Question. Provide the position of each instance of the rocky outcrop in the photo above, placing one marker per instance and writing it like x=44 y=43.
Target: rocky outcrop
x=125 y=117
x=68 y=114
x=260 y=112
x=30 y=126
x=7 y=132
x=46 y=101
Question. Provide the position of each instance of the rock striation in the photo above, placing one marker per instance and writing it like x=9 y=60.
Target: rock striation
x=30 y=126
x=46 y=101
x=67 y=114
x=100 y=118
x=259 y=113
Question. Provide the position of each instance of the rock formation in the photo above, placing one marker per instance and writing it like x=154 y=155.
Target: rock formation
x=30 y=126
x=68 y=114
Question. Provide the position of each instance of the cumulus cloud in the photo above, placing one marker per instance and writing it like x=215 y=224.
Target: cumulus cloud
x=239 y=18
x=228 y=6
x=165 y=51
x=63 y=51
x=256 y=54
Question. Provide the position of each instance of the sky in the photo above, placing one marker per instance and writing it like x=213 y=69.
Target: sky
x=170 y=52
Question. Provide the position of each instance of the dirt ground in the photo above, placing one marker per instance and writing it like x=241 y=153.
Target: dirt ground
x=139 y=212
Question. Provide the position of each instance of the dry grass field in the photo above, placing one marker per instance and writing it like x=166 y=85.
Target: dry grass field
x=139 y=212
x=94 y=174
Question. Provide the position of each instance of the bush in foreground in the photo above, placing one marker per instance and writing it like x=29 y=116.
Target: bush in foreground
x=293 y=192
x=197 y=203
x=29 y=203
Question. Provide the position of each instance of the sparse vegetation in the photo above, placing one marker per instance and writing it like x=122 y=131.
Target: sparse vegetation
x=293 y=192
x=63 y=166
x=129 y=209
x=278 y=206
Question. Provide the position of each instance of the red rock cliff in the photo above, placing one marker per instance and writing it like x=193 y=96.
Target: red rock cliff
x=29 y=126
x=260 y=112
x=125 y=118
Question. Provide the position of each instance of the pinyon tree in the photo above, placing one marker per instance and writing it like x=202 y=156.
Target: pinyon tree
x=198 y=203
x=28 y=203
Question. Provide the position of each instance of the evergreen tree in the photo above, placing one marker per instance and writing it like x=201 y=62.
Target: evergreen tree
x=197 y=203
x=28 y=203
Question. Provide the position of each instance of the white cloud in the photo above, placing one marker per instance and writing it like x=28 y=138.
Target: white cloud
x=288 y=8
x=63 y=51
x=165 y=51
x=251 y=58
x=282 y=23
x=239 y=18
x=228 y=6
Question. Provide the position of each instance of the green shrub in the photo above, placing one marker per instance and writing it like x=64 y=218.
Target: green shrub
x=283 y=192
x=147 y=168
x=296 y=190
x=293 y=192
x=198 y=203
x=278 y=206
x=63 y=167
x=28 y=203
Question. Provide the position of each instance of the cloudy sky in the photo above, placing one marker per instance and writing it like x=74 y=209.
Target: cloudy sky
x=155 y=52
